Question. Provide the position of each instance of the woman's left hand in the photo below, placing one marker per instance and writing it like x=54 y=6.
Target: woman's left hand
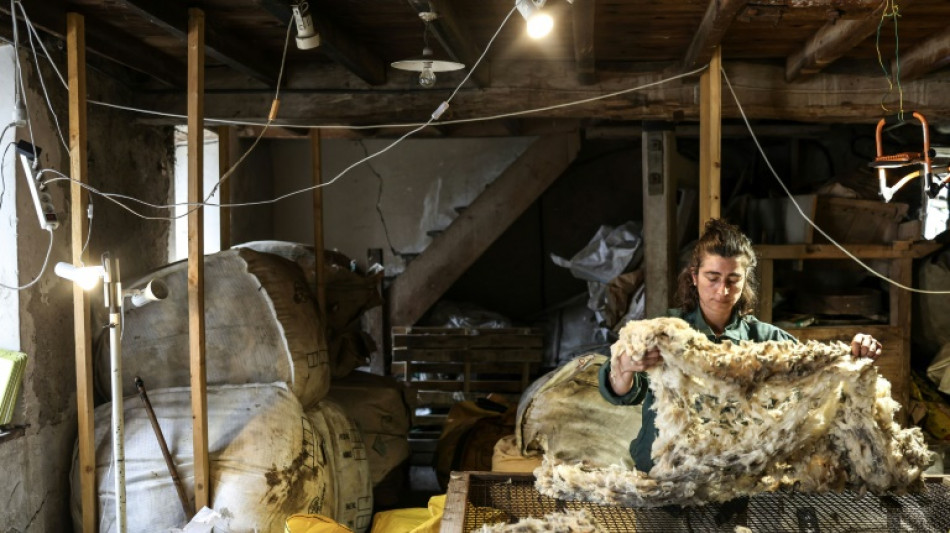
x=864 y=345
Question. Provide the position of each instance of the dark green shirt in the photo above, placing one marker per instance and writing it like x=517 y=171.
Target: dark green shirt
x=744 y=328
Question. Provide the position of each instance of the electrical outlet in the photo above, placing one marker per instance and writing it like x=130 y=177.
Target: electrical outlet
x=42 y=200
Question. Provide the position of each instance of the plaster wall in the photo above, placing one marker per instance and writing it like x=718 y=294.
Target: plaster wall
x=123 y=157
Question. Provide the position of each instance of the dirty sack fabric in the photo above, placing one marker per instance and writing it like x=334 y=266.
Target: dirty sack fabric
x=738 y=419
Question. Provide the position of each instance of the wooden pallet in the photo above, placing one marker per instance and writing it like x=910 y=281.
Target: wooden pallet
x=443 y=366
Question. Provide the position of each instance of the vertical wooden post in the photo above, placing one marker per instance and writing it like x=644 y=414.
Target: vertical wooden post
x=710 y=140
x=196 y=281
x=318 y=222
x=78 y=170
x=766 y=289
x=659 y=209
x=224 y=165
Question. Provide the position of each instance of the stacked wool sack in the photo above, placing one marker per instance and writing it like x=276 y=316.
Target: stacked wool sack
x=563 y=416
x=262 y=327
x=379 y=408
x=738 y=419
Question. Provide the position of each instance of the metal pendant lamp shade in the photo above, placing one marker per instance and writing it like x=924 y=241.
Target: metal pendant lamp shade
x=426 y=64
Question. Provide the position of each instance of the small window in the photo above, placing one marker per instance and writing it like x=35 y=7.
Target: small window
x=178 y=244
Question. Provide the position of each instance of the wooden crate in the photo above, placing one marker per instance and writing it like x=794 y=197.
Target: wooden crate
x=443 y=366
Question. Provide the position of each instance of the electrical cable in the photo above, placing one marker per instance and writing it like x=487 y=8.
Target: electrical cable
x=3 y=178
x=42 y=270
x=891 y=9
x=39 y=74
x=19 y=86
x=802 y=213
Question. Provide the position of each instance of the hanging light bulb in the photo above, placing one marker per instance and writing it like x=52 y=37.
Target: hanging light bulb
x=540 y=23
x=427 y=65
x=427 y=76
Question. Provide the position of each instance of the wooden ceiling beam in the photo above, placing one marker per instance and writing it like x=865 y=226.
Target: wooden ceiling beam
x=454 y=38
x=584 y=56
x=926 y=57
x=336 y=43
x=719 y=16
x=104 y=41
x=218 y=44
x=832 y=41
x=832 y=97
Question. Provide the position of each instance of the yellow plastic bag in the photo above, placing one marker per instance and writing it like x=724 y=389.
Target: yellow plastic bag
x=412 y=520
x=313 y=523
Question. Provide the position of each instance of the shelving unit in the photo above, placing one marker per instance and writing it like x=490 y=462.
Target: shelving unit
x=895 y=335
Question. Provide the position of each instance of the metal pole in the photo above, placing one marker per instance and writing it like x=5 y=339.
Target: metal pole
x=113 y=293
x=169 y=462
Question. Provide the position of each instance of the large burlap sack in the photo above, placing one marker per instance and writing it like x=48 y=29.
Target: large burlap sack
x=377 y=403
x=260 y=327
x=349 y=294
x=931 y=314
x=348 y=463
x=564 y=415
x=266 y=461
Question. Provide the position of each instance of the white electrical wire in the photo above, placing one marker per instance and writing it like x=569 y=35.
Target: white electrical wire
x=18 y=82
x=802 y=213
x=39 y=74
x=42 y=270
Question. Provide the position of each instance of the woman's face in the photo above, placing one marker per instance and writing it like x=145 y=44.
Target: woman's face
x=719 y=281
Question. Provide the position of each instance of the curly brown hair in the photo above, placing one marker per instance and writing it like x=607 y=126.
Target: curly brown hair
x=723 y=239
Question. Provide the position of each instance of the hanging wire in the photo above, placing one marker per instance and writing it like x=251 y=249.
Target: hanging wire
x=892 y=10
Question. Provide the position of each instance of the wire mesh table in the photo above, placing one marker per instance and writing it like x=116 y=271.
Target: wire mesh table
x=477 y=498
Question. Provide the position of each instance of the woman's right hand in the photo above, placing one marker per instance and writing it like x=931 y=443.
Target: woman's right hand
x=624 y=369
x=626 y=363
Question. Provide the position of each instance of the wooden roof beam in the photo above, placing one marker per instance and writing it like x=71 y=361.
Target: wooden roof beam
x=454 y=38
x=584 y=56
x=926 y=57
x=719 y=16
x=218 y=45
x=104 y=41
x=335 y=43
x=831 y=42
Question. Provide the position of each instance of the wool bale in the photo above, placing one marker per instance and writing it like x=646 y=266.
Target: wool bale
x=260 y=327
x=342 y=445
x=377 y=403
x=563 y=415
x=266 y=461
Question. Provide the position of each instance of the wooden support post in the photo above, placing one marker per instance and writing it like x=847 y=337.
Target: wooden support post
x=710 y=139
x=78 y=166
x=224 y=166
x=766 y=283
x=315 y=157
x=196 y=278
x=659 y=209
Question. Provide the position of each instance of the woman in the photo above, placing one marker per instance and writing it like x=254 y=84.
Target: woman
x=717 y=294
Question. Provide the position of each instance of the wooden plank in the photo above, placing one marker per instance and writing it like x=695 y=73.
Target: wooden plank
x=710 y=140
x=455 y=38
x=196 y=293
x=430 y=398
x=450 y=254
x=429 y=420
x=433 y=330
x=453 y=516
x=716 y=21
x=925 y=57
x=584 y=56
x=460 y=356
x=220 y=44
x=105 y=41
x=896 y=250
x=659 y=208
x=766 y=289
x=458 y=368
x=225 y=138
x=832 y=41
x=82 y=335
x=833 y=97
x=317 y=176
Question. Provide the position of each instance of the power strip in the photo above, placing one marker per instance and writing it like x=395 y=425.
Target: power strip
x=42 y=200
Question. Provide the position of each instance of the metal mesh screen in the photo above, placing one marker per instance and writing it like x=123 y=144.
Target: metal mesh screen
x=494 y=499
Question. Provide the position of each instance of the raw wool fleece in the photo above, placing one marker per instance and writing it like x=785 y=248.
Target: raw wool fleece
x=737 y=419
x=569 y=521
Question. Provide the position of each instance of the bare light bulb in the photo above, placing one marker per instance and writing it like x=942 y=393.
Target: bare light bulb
x=427 y=76
x=85 y=277
x=540 y=25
